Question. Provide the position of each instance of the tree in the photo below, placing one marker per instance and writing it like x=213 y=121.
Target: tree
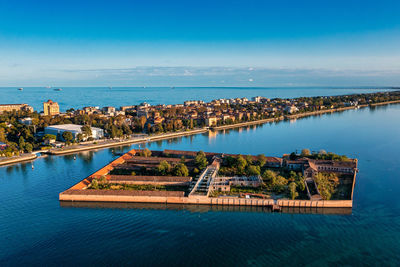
x=241 y=164
x=48 y=137
x=145 y=153
x=261 y=159
x=269 y=176
x=79 y=137
x=21 y=143
x=326 y=183
x=279 y=183
x=164 y=168
x=28 y=147
x=253 y=170
x=201 y=160
x=142 y=121
x=2 y=135
x=67 y=136
x=180 y=169
x=292 y=156
x=292 y=190
x=86 y=130
x=305 y=152
x=94 y=184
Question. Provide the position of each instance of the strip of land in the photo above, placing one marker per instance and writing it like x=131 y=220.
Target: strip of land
x=17 y=159
x=232 y=115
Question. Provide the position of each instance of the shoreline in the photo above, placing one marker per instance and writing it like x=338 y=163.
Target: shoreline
x=127 y=142
x=186 y=133
x=18 y=159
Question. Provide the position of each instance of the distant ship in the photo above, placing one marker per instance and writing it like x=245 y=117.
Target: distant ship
x=21 y=89
x=58 y=89
x=48 y=86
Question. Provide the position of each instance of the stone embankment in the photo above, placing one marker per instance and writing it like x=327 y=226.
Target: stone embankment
x=161 y=197
x=17 y=159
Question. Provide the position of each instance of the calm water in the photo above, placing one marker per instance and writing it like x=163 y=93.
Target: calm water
x=78 y=97
x=36 y=230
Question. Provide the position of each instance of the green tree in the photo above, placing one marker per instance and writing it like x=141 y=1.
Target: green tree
x=67 y=136
x=292 y=190
x=48 y=137
x=28 y=147
x=241 y=164
x=164 y=168
x=180 y=169
x=86 y=130
x=79 y=137
x=21 y=143
x=279 y=183
x=269 y=176
x=261 y=159
x=253 y=170
x=201 y=160
x=326 y=183
x=94 y=184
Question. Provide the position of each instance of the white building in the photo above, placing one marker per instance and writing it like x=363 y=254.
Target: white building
x=58 y=130
x=26 y=121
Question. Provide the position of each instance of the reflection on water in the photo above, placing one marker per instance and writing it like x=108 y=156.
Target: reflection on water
x=199 y=208
x=35 y=225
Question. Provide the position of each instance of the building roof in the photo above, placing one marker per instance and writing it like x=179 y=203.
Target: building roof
x=69 y=127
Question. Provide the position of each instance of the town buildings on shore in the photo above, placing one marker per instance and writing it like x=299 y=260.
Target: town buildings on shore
x=51 y=108
x=15 y=107
x=75 y=130
x=126 y=121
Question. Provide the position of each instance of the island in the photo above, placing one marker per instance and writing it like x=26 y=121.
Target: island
x=319 y=179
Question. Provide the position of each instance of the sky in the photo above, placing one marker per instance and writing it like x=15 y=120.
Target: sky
x=200 y=43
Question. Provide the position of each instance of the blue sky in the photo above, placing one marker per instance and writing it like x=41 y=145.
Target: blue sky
x=199 y=43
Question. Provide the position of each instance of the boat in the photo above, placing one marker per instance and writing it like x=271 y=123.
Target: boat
x=48 y=87
x=21 y=89
x=58 y=89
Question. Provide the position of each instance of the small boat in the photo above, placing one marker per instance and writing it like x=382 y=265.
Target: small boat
x=48 y=87
x=33 y=166
x=74 y=157
x=58 y=89
x=21 y=89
